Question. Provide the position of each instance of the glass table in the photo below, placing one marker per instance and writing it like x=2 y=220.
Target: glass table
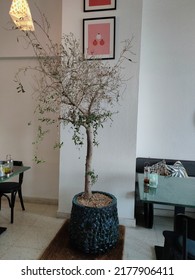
x=175 y=191
x=16 y=171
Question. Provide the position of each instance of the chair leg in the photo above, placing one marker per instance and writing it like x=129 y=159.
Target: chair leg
x=21 y=199
x=12 y=204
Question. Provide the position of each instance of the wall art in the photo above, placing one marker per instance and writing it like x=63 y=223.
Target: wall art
x=99 y=5
x=99 y=38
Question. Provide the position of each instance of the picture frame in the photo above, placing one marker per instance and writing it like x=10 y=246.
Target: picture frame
x=99 y=5
x=99 y=38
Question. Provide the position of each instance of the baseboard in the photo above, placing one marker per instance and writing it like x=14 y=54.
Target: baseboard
x=163 y=212
x=38 y=200
x=127 y=222
x=50 y=201
x=166 y=212
x=63 y=215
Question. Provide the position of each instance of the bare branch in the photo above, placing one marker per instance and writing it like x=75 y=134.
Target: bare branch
x=72 y=90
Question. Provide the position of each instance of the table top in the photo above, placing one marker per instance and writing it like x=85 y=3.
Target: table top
x=17 y=170
x=170 y=191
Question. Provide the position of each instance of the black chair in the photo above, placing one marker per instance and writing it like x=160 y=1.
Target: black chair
x=180 y=243
x=10 y=190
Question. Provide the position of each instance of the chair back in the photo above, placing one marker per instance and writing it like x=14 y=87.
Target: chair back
x=21 y=175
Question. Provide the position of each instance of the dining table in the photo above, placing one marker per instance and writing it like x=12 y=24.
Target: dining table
x=176 y=191
x=16 y=171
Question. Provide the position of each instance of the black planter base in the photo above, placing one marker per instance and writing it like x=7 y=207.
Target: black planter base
x=94 y=230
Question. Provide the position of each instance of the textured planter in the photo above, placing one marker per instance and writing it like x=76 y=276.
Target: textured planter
x=94 y=230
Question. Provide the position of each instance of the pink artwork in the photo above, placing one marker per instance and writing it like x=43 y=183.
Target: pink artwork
x=99 y=5
x=99 y=39
x=99 y=2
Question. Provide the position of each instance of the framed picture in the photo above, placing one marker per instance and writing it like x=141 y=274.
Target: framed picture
x=99 y=38
x=99 y=5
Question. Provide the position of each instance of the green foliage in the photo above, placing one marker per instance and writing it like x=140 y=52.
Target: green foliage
x=40 y=134
x=93 y=176
x=58 y=145
x=38 y=160
x=70 y=89
x=93 y=121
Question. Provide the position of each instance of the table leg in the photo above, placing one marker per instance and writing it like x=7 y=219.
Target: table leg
x=148 y=214
x=178 y=209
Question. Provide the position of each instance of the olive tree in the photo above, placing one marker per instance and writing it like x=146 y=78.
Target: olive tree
x=71 y=89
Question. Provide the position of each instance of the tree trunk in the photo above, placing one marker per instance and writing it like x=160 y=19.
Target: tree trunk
x=88 y=163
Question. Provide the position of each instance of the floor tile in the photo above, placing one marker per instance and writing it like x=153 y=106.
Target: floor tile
x=35 y=227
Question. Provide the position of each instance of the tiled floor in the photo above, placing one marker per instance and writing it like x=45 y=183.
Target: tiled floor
x=34 y=228
x=140 y=241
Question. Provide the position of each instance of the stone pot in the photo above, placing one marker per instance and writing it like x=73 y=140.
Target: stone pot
x=94 y=230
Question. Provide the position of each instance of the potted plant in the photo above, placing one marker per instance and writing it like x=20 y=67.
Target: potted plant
x=79 y=92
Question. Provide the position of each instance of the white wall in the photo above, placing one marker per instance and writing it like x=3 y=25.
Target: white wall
x=114 y=159
x=166 y=112
x=41 y=181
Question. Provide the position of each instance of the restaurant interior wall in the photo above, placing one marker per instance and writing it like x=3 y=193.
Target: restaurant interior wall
x=16 y=110
x=166 y=112
x=114 y=159
x=166 y=116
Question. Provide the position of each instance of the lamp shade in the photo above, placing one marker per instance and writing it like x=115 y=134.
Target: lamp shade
x=21 y=15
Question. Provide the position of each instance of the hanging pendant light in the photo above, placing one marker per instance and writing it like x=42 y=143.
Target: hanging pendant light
x=21 y=15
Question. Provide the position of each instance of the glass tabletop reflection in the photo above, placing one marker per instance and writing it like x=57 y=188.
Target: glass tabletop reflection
x=16 y=171
x=170 y=191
